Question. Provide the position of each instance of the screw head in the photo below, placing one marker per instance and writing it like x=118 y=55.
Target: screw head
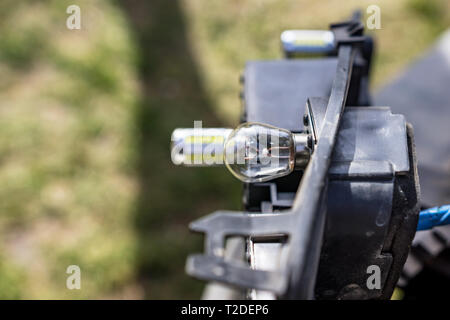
x=305 y=120
x=310 y=142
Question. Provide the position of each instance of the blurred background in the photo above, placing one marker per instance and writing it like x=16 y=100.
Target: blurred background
x=86 y=117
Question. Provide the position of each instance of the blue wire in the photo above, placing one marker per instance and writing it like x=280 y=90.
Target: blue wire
x=433 y=217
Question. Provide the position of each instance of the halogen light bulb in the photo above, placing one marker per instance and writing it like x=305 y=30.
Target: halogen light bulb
x=256 y=152
x=253 y=152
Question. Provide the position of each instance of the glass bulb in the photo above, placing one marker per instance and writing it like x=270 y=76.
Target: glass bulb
x=256 y=152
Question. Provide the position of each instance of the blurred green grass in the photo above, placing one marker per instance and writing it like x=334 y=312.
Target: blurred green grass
x=67 y=149
x=86 y=117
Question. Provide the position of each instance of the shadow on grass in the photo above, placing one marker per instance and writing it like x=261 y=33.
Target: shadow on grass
x=170 y=197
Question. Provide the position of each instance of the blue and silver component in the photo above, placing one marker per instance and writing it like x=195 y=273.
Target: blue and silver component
x=308 y=41
x=434 y=217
